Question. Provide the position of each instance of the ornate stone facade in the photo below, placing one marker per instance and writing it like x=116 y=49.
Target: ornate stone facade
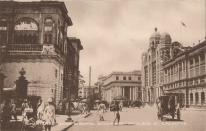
x=170 y=67
x=161 y=49
x=35 y=37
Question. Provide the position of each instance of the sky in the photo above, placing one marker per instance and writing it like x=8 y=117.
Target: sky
x=114 y=33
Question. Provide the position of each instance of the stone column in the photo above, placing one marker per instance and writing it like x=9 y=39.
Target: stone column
x=199 y=65
x=205 y=62
x=122 y=91
x=194 y=71
x=130 y=93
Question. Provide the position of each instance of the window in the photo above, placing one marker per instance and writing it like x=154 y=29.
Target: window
x=56 y=73
x=26 y=31
x=48 y=28
x=61 y=77
x=139 y=78
x=3 y=31
x=130 y=78
x=117 y=77
x=124 y=78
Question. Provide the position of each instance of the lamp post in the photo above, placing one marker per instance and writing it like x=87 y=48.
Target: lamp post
x=69 y=119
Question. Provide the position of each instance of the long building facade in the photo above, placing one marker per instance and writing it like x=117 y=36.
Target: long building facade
x=170 y=67
x=37 y=48
x=122 y=84
x=186 y=73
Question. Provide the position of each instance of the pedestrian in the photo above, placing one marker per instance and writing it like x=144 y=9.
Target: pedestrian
x=116 y=113
x=13 y=110
x=49 y=115
x=6 y=115
x=24 y=105
x=120 y=105
x=40 y=110
x=101 y=109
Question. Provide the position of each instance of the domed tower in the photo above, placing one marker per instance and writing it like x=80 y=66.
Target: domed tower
x=165 y=45
x=154 y=39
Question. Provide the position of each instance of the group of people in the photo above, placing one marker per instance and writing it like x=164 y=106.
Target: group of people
x=43 y=114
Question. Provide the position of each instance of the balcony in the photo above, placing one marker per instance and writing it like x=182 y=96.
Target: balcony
x=24 y=47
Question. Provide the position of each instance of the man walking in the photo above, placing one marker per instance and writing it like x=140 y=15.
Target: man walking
x=116 y=113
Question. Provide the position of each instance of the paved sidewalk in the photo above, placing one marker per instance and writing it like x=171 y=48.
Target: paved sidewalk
x=62 y=125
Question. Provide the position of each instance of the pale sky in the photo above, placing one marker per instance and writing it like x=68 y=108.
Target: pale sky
x=114 y=33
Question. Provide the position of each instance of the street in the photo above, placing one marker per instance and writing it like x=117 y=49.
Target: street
x=143 y=119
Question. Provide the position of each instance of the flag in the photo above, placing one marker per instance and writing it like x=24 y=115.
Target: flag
x=183 y=24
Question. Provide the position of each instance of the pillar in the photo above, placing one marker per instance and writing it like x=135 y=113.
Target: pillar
x=130 y=93
x=205 y=62
x=199 y=65
x=133 y=92
x=122 y=91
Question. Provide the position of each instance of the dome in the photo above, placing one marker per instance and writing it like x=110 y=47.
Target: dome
x=166 y=37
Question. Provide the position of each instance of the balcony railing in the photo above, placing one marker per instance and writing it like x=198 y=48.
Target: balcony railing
x=24 y=47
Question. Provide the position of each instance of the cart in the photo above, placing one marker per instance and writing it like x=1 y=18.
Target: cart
x=169 y=104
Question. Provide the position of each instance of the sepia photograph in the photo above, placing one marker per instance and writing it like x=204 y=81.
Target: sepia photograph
x=102 y=65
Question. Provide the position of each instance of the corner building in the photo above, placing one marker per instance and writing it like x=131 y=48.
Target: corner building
x=169 y=67
x=35 y=37
x=122 y=84
x=152 y=59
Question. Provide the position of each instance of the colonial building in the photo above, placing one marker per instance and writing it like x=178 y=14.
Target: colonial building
x=186 y=73
x=123 y=84
x=37 y=47
x=170 y=67
x=161 y=48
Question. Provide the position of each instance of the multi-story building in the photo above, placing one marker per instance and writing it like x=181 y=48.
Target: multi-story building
x=169 y=67
x=186 y=73
x=123 y=84
x=160 y=50
x=37 y=46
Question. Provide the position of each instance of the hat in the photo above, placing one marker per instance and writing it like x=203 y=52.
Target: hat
x=49 y=100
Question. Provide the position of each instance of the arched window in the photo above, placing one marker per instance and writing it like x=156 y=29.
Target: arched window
x=191 y=98
x=196 y=98
x=48 y=30
x=202 y=97
x=26 y=31
x=3 y=31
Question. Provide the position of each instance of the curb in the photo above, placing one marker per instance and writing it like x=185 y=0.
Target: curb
x=68 y=127
x=75 y=122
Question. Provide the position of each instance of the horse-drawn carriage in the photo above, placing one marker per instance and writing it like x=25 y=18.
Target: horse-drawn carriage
x=169 y=104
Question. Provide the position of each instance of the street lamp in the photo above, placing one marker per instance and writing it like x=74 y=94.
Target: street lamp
x=69 y=76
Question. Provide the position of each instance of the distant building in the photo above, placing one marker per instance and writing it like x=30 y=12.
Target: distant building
x=40 y=59
x=81 y=87
x=86 y=92
x=125 y=84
